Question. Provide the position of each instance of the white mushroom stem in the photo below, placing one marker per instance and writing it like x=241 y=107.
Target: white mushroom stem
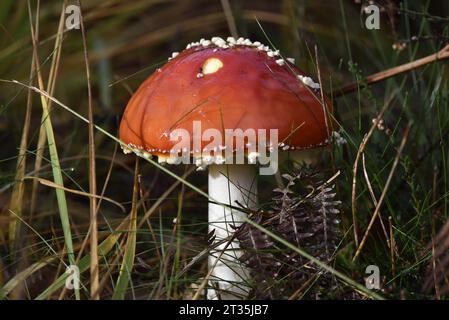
x=228 y=184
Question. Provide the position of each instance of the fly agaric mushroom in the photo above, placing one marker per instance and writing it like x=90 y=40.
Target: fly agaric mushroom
x=212 y=88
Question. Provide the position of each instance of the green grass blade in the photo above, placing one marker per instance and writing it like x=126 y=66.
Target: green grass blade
x=54 y=157
x=57 y=176
x=24 y=274
x=43 y=93
x=84 y=263
x=322 y=265
x=130 y=249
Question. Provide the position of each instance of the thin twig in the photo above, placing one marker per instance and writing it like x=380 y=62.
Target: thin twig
x=384 y=192
x=434 y=274
x=51 y=184
x=392 y=247
x=388 y=73
x=373 y=197
x=211 y=269
x=94 y=272
x=356 y=164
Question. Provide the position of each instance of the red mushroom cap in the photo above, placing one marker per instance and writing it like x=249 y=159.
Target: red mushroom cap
x=226 y=85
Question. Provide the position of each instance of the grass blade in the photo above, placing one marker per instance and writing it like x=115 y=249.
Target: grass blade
x=94 y=271
x=322 y=265
x=56 y=167
x=103 y=249
x=130 y=249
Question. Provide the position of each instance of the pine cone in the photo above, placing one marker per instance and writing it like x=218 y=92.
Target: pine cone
x=305 y=214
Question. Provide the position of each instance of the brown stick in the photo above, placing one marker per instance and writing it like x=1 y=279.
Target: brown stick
x=385 y=74
x=94 y=267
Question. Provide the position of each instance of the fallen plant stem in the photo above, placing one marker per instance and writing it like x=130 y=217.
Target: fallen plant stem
x=51 y=184
x=373 y=198
x=384 y=192
x=356 y=165
x=388 y=73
